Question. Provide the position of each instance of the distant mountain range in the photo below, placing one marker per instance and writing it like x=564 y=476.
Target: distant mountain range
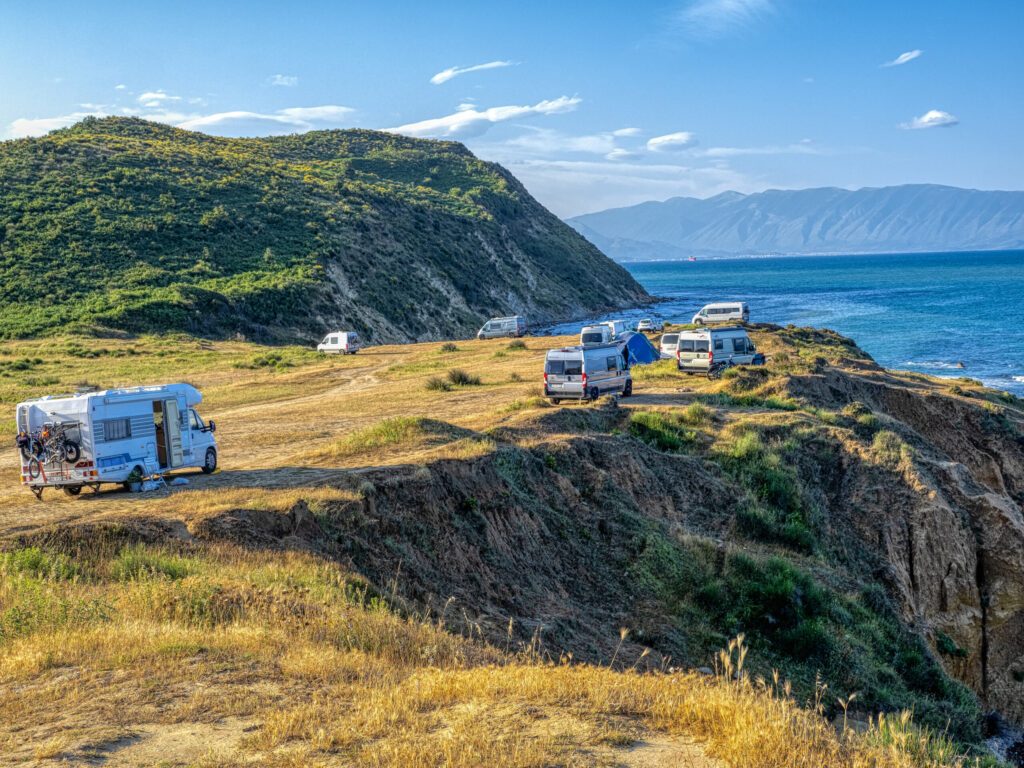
x=908 y=218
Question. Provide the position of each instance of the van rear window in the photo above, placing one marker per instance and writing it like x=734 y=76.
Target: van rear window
x=670 y=338
x=563 y=367
x=693 y=345
x=592 y=338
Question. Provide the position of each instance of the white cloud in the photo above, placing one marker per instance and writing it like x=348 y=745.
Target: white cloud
x=671 y=142
x=627 y=132
x=24 y=127
x=470 y=121
x=155 y=99
x=621 y=154
x=933 y=118
x=715 y=18
x=286 y=81
x=447 y=74
x=903 y=58
x=120 y=87
x=246 y=123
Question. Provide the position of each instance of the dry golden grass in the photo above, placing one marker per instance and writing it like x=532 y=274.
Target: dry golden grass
x=313 y=669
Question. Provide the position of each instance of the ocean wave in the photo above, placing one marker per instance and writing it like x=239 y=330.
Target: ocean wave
x=941 y=364
x=1018 y=379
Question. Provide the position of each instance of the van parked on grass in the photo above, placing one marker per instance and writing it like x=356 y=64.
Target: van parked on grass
x=603 y=333
x=668 y=345
x=340 y=343
x=701 y=351
x=112 y=436
x=586 y=373
x=724 y=312
x=503 y=327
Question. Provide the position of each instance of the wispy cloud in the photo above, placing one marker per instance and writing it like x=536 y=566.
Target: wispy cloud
x=933 y=118
x=627 y=132
x=800 y=148
x=285 y=81
x=468 y=121
x=447 y=74
x=246 y=123
x=671 y=142
x=120 y=87
x=903 y=58
x=716 y=18
x=232 y=123
x=156 y=98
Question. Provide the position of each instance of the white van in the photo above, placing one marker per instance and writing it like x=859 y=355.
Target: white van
x=89 y=438
x=699 y=351
x=595 y=334
x=586 y=373
x=501 y=327
x=340 y=343
x=726 y=312
x=668 y=345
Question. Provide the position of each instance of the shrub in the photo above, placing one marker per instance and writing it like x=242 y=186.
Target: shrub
x=137 y=562
x=32 y=561
x=517 y=344
x=890 y=450
x=696 y=414
x=437 y=384
x=449 y=346
x=666 y=432
x=459 y=378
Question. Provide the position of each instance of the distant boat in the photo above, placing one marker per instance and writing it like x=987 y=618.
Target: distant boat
x=692 y=258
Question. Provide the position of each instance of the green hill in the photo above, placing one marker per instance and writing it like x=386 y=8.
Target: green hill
x=122 y=224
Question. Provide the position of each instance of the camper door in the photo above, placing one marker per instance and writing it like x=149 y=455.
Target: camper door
x=172 y=433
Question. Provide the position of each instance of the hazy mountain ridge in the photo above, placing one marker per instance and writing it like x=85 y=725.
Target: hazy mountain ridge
x=135 y=226
x=908 y=218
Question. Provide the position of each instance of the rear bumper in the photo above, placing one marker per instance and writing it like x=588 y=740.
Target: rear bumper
x=564 y=394
x=693 y=367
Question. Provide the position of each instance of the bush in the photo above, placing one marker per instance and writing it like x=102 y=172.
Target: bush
x=517 y=344
x=890 y=450
x=32 y=561
x=665 y=431
x=696 y=414
x=459 y=378
x=437 y=384
x=449 y=346
x=137 y=562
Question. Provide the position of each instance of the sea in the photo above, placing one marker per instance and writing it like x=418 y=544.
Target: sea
x=944 y=314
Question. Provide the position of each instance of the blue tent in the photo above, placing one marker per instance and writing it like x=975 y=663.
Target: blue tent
x=641 y=351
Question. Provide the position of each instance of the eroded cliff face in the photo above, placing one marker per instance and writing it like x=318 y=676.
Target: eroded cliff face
x=949 y=528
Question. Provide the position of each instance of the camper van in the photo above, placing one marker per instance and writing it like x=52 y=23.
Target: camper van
x=602 y=333
x=116 y=434
x=726 y=312
x=699 y=351
x=668 y=345
x=501 y=327
x=340 y=343
x=586 y=373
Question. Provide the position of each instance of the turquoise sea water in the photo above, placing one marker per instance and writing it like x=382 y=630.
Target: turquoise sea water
x=919 y=312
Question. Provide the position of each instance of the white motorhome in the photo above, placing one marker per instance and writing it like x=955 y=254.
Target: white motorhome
x=586 y=373
x=340 y=343
x=705 y=350
x=503 y=327
x=602 y=333
x=724 y=312
x=119 y=434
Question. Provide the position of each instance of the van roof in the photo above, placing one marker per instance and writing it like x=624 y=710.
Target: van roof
x=725 y=304
x=516 y=318
x=710 y=331
x=580 y=349
x=192 y=395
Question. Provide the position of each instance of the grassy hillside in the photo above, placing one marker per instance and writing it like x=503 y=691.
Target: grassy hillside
x=389 y=570
x=123 y=224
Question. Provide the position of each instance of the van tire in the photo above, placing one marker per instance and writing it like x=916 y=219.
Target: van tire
x=72 y=490
x=210 y=463
x=594 y=394
x=555 y=400
x=627 y=391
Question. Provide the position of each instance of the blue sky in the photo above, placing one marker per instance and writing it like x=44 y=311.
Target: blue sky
x=590 y=105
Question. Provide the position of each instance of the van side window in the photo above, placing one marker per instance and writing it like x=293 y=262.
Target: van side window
x=739 y=345
x=194 y=420
x=116 y=429
x=718 y=345
x=613 y=362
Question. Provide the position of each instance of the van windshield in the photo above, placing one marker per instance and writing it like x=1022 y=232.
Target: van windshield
x=563 y=367
x=670 y=338
x=594 y=337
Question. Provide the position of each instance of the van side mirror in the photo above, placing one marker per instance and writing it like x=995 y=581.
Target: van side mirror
x=212 y=427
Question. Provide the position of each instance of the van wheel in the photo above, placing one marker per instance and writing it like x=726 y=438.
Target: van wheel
x=210 y=464
x=595 y=393
x=555 y=400
x=628 y=390
x=72 y=490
